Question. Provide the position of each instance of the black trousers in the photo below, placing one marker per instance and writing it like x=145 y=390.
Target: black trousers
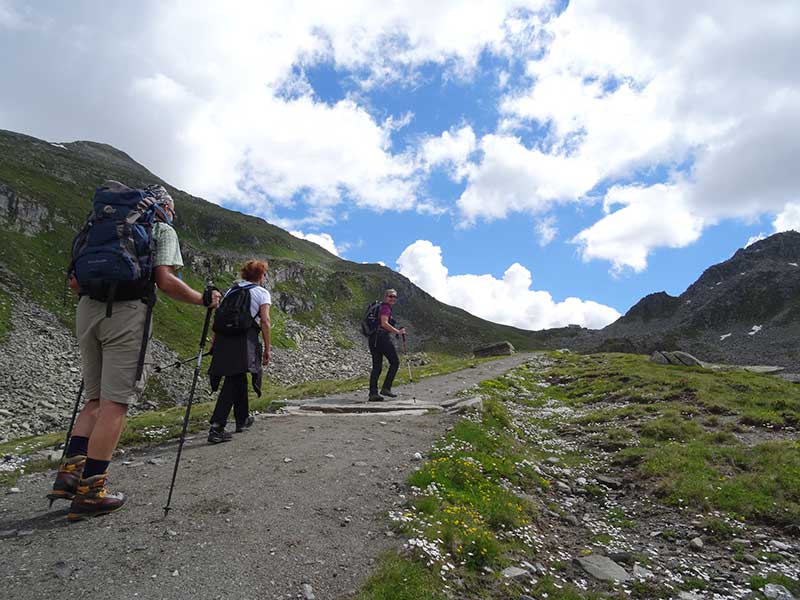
x=380 y=346
x=233 y=394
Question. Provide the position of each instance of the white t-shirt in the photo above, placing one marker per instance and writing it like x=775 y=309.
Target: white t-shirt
x=258 y=297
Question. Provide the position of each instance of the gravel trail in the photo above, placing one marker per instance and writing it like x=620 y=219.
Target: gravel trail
x=296 y=501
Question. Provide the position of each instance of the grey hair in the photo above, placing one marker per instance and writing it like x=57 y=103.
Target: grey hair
x=389 y=291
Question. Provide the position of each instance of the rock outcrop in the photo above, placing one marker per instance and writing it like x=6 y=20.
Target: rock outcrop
x=496 y=349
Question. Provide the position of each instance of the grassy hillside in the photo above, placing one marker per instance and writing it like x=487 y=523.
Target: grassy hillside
x=45 y=193
x=607 y=455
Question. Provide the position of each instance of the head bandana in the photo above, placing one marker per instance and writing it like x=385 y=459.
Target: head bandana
x=160 y=195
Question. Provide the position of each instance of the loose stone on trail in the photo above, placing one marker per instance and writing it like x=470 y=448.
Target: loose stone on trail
x=308 y=592
x=696 y=543
x=61 y=569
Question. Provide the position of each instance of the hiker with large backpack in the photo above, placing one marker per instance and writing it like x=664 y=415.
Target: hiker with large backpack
x=236 y=349
x=379 y=325
x=125 y=249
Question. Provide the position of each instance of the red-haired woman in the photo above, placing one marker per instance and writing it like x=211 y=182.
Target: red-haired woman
x=234 y=356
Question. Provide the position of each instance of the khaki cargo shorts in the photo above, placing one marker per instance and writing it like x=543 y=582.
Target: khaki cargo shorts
x=110 y=349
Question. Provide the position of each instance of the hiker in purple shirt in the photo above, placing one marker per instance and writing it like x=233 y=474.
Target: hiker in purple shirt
x=380 y=345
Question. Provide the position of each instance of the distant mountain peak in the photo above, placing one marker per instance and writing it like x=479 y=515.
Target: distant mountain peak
x=744 y=309
x=653 y=306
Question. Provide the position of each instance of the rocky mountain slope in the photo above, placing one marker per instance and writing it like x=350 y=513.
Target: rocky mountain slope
x=45 y=193
x=318 y=298
x=743 y=310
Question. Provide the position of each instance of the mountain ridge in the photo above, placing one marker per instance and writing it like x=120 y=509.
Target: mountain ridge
x=745 y=309
x=45 y=193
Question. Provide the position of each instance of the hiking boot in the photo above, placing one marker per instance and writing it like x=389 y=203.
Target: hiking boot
x=248 y=422
x=93 y=499
x=66 y=484
x=217 y=435
x=388 y=393
x=375 y=398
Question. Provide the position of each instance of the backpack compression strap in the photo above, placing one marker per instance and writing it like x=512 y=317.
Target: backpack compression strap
x=144 y=205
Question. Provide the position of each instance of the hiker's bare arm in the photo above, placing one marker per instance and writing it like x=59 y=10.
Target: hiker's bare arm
x=266 y=324
x=168 y=282
x=388 y=327
x=73 y=285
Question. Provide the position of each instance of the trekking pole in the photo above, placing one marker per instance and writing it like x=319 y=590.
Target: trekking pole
x=72 y=419
x=71 y=425
x=178 y=363
x=189 y=404
x=408 y=364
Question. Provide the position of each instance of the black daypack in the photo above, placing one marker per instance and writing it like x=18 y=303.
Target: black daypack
x=371 y=321
x=233 y=317
x=112 y=254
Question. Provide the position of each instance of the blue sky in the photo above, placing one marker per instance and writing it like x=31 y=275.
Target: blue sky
x=535 y=162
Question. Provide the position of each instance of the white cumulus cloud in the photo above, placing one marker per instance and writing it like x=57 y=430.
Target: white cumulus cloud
x=215 y=100
x=650 y=217
x=322 y=239
x=546 y=230
x=509 y=300
x=450 y=148
x=626 y=88
x=514 y=178
x=788 y=218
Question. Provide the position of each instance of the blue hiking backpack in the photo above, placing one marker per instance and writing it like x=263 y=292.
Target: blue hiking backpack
x=112 y=254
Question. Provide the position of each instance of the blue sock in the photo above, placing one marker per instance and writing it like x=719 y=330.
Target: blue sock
x=94 y=467
x=78 y=445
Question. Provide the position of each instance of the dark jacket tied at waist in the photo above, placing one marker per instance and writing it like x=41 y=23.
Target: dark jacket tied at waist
x=237 y=354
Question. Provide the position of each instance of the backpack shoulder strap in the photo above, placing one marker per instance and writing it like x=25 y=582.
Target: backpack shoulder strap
x=236 y=288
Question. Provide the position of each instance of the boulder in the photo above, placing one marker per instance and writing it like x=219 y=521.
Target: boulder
x=496 y=349
x=603 y=568
x=681 y=359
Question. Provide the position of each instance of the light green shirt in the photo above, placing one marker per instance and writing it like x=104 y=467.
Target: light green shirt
x=168 y=249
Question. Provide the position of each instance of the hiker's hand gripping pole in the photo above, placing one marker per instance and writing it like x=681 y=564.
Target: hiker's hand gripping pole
x=189 y=403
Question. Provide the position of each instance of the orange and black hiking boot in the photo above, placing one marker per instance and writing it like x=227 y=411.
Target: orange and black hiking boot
x=66 y=484
x=93 y=499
